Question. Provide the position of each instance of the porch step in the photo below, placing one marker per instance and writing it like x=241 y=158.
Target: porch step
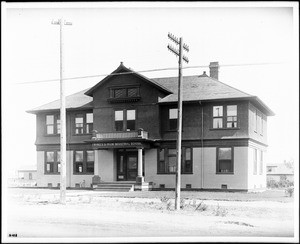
x=114 y=186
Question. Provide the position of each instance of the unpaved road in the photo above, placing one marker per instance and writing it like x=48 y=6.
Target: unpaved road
x=126 y=217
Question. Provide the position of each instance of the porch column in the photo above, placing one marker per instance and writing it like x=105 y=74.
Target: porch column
x=140 y=177
x=96 y=162
x=96 y=178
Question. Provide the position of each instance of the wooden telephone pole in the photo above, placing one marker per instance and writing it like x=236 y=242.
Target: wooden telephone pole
x=178 y=53
x=63 y=144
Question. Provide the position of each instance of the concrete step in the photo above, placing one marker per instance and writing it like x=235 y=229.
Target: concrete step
x=114 y=186
x=113 y=189
x=118 y=182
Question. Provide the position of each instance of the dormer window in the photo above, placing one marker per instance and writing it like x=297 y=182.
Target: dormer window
x=129 y=93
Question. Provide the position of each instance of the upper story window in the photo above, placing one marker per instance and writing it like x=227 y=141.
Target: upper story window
x=258 y=122
x=52 y=124
x=225 y=160
x=218 y=117
x=125 y=120
x=124 y=94
x=232 y=116
x=84 y=123
x=173 y=116
x=225 y=116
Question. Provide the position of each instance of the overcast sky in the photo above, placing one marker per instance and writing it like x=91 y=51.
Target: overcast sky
x=103 y=35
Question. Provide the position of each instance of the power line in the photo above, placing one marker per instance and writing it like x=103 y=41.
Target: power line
x=144 y=71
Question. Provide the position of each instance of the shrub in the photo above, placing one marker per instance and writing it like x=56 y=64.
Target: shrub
x=182 y=203
x=289 y=191
x=169 y=205
x=272 y=184
x=201 y=207
x=282 y=183
x=219 y=211
x=164 y=199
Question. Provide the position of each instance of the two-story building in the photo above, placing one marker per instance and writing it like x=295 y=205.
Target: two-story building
x=124 y=129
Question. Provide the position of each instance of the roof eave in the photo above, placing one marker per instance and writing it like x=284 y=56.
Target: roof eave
x=268 y=110
x=91 y=90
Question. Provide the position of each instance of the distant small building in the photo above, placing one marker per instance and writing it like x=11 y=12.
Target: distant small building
x=279 y=172
x=28 y=172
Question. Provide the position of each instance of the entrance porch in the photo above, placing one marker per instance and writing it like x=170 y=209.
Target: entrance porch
x=119 y=157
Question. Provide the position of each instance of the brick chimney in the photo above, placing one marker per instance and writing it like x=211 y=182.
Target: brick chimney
x=214 y=70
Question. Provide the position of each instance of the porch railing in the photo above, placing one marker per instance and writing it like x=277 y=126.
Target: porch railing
x=140 y=134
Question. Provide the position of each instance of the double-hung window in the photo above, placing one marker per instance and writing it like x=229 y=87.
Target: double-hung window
x=125 y=120
x=52 y=124
x=84 y=162
x=52 y=162
x=130 y=116
x=171 y=160
x=187 y=165
x=84 y=123
x=254 y=161
x=224 y=160
x=161 y=168
x=258 y=122
x=218 y=117
x=261 y=162
x=231 y=116
x=225 y=116
x=167 y=161
x=173 y=116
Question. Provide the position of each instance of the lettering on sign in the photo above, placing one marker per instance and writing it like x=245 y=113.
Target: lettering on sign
x=116 y=144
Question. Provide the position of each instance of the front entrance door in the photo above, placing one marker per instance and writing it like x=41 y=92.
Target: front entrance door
x=127 y=163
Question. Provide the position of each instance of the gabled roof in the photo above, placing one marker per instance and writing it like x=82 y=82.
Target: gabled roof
x=122 y=69
x=195 y=88
x=74 y=101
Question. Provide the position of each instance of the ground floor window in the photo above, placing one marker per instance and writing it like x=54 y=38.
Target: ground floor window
x=224 y=160
x=83 y=162
x=52 y=162
x=167 y=161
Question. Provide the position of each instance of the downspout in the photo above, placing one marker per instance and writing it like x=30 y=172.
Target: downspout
x=202 y=151
x=202 y=156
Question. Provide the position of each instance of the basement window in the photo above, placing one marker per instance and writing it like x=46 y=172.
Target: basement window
x=223 y=186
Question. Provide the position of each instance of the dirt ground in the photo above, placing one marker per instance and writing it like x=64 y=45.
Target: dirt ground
x=90 y=214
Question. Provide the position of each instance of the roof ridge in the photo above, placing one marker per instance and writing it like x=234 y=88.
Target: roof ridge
x=175 y=77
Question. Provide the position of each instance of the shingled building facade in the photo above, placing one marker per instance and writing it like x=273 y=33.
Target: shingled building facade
x=124 y=130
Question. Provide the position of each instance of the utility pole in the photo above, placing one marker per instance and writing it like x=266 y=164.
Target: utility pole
x=63 y=144
x=178 y=53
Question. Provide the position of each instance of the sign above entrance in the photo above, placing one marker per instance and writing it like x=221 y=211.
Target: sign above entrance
x=118 y=144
